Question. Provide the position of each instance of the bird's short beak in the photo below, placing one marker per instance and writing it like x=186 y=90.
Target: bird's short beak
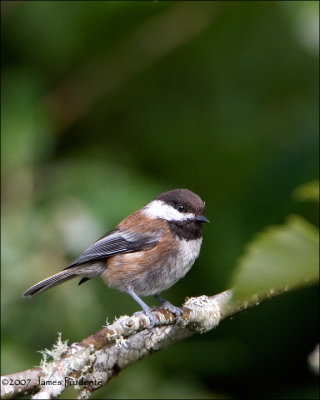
x=202 y=218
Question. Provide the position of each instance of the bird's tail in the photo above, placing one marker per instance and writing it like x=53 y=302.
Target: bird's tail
x=50 y=282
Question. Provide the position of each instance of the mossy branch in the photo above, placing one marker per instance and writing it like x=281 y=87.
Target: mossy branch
x=91 y=363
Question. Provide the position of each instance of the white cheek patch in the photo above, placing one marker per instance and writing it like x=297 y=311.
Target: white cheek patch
x=159 y=209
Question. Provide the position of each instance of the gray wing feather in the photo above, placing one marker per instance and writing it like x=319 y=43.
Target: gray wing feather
x=115 y=242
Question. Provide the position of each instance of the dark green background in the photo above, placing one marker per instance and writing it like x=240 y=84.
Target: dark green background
x=107 y=104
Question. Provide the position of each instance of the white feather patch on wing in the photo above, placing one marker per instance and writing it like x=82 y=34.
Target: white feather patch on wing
x=159 y=209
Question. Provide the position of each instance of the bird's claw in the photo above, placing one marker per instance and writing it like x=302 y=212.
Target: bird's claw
x=165 y=305
x=175 y=310
x=153 y=320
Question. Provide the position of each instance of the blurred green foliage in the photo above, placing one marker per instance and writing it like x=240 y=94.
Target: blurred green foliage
x=286 y=256
x=308 y=192
x=107 y=104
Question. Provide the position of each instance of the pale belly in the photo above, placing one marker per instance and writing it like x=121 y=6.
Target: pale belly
x=161 y=275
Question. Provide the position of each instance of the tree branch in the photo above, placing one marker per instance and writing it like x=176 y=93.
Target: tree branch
x=91 y=363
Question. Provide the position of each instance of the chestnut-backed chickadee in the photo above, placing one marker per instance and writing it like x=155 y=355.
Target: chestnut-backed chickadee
x=146 y=253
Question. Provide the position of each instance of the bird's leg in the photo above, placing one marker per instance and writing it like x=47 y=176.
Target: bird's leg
x=166 y=304
x=144 y=306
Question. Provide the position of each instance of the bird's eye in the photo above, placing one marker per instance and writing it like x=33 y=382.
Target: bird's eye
x=180 y=207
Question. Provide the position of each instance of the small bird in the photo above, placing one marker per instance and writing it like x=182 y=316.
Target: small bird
x=147 y=253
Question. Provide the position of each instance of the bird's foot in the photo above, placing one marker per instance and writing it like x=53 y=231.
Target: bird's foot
x=167 y=305
x=146 y=309
x=175 y=310
x=153 y=320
